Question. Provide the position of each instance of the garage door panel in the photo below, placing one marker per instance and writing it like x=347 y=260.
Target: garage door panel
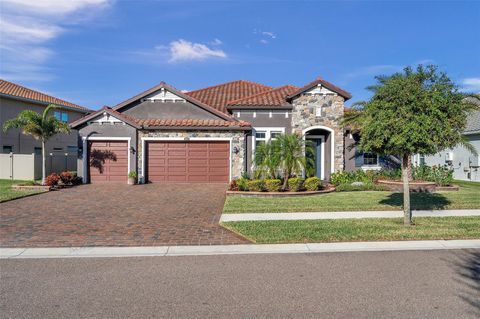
x=188 y=161
x=108 y=161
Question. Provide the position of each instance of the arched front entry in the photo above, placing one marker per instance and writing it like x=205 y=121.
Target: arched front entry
x=322 y=141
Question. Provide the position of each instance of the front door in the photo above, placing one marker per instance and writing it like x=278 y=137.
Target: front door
x=315 y=155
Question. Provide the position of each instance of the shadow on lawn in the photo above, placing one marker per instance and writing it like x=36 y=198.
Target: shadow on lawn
x=418 y=200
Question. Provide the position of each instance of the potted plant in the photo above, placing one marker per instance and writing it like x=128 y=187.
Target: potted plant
x=132 y=178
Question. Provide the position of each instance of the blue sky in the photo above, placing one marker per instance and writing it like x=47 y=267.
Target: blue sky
x=100 y=52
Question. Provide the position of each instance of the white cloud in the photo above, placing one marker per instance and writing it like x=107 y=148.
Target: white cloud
x=471 y=85
x=263 y=41
x=216 y=42
x=182 y=50
x=269 y=34
x=27 y=26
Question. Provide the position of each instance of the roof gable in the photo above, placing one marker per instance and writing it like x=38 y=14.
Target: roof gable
x=103 y=116
x=165 y=92
x=275 y=98
x=320 y=86
x=13 y=90
x=218 y=96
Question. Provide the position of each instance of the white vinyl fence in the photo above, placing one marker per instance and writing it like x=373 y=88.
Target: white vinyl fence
x=29 y=166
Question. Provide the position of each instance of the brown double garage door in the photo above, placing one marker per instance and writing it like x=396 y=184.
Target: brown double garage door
x=192 y=161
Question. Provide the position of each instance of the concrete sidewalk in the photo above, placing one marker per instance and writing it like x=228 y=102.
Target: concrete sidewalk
x=343 y=215
x=78 y=252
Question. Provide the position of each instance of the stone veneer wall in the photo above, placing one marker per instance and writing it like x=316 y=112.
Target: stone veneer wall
x=238 y=140
x=303 y=117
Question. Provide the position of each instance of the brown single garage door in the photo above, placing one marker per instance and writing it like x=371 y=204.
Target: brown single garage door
x=188 y=161
x=108 y=161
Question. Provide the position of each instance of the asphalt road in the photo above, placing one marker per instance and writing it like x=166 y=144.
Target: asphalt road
x=427 y=284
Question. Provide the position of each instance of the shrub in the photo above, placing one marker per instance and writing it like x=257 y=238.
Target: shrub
x=233 y=186
x=256 y=185
x=242 y=184
x=66 y=178
x=77 y=180
x=295 y=184
x=132 y=174
x=344 y=177
x=52 y=179
x=273 y=185
x=440 y=175
x=390 y=174
x=313 y=183
x=348 y=187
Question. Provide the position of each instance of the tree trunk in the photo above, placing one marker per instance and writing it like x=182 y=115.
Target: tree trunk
x=44 y=168
x=410 y=176
x=407 y=212
x=285 y=180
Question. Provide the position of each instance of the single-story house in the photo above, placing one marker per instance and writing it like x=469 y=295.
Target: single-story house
x=210 y=134
x=60 y=148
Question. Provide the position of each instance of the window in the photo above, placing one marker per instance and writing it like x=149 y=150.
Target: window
x=57 y=149
x=61 y=116
x=370 y=159
x=421 y=159
x=260 y=137
x=37 y=150
x=7 y=149
x=274 y=135
x=72 y=149
x=265 y=134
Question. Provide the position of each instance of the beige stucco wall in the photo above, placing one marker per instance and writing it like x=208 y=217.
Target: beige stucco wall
x=22 y=144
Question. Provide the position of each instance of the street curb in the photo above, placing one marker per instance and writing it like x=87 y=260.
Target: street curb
x=346 y=215
x=167 y=251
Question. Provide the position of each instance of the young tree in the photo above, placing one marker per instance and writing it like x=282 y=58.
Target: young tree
x=413 y=112
x=291 y=152
x=41 y=126
x=267 y=159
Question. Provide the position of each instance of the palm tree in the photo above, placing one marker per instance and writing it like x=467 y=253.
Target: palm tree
x=40 y=126
x=267 y=159
x=292 y=149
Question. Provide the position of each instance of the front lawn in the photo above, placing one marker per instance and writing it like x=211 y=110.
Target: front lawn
x=466 y=198
x=371 y=229
x=6 y=192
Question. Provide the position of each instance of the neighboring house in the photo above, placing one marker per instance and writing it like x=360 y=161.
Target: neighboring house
x=61 y=148
x=465 y=165
x=210 y=134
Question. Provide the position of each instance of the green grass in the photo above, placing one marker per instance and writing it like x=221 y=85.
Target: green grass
x=371 y=229
x=467 y=197
x=6 y=192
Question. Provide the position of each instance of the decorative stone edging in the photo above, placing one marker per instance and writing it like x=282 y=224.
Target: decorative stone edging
x=429 y=187
x=279 y=194
x=30 y=187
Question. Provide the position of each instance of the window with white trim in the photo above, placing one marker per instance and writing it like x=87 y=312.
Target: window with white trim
x=370 y=159
x=265 y=134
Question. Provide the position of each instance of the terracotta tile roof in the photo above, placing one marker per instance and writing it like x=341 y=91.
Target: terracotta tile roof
x=324 y=83
x=15 y=90
x=275 y=97
x=218 y=96
x=190 y=123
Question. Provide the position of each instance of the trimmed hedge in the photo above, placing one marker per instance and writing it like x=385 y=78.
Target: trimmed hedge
x=313 y=184
x=295 y=184
x=273 y=185
x=256 y=185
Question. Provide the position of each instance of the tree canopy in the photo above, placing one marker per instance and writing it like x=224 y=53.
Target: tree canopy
x=417 y=111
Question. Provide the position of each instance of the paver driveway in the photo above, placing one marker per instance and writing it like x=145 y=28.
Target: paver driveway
x=117 y=215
